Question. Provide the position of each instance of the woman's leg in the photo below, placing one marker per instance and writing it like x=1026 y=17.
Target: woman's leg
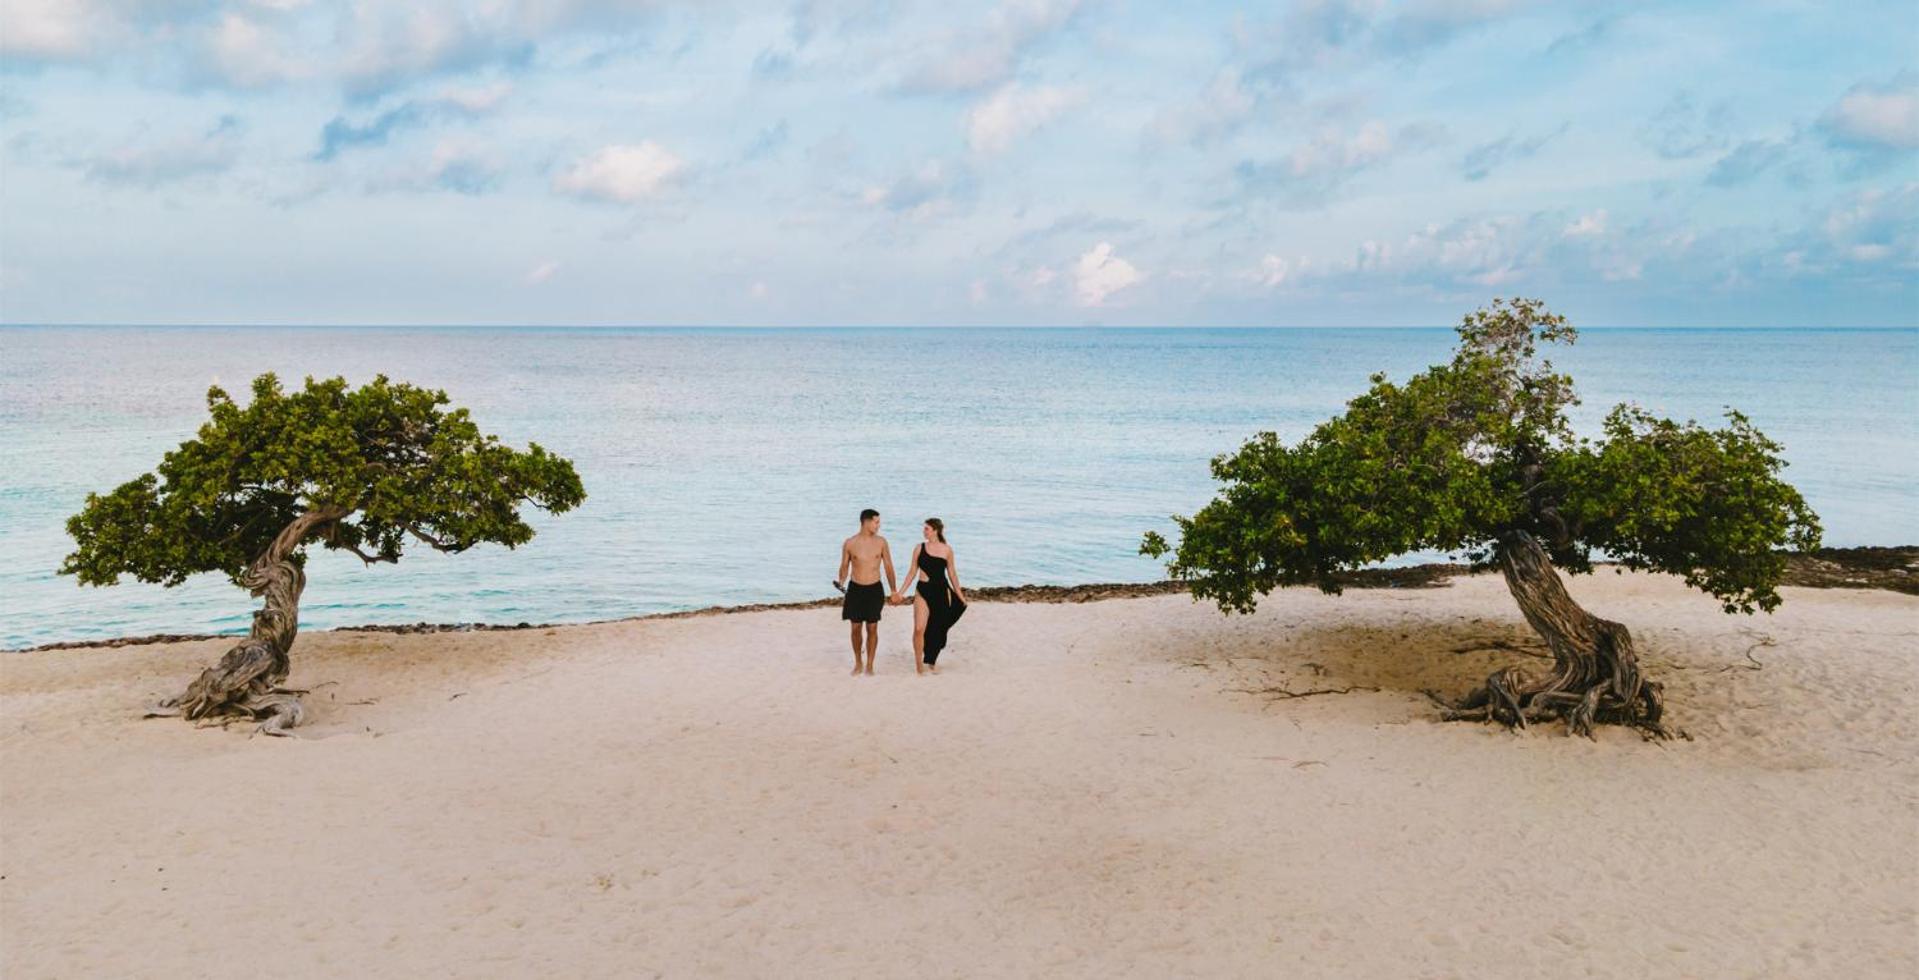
x=919 y=634
x=939 y=617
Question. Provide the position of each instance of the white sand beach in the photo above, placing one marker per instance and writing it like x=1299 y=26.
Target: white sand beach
x=1087 y=790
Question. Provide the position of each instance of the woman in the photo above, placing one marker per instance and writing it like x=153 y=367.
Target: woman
x=940 y=600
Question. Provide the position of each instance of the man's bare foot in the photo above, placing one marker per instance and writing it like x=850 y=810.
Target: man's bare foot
x=856 y=670
x=869 y=670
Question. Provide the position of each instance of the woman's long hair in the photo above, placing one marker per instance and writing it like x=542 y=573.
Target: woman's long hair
x=939 y=528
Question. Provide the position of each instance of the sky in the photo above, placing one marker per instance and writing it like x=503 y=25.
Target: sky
x=1031 y=162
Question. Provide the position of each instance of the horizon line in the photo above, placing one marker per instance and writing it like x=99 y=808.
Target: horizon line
x=188 y=325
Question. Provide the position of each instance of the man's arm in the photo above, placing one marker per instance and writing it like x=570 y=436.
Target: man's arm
x=912 y=575
x=846 y=558
x=886 y=562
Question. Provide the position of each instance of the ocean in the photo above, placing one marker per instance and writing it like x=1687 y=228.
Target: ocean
x=724 y=466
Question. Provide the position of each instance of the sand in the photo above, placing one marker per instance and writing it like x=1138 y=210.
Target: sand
x=1086 y=790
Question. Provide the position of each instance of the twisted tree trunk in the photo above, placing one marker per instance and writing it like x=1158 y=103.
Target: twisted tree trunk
x=245 y=684
x=1595 y=677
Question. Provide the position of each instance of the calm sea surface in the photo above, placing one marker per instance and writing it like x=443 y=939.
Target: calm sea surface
x=724 y=466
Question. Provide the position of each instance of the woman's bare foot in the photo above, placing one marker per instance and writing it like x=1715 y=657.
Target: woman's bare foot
x=933 y=667
x=919 y=668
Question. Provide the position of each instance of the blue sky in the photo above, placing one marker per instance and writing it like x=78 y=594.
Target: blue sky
x=1027 y=162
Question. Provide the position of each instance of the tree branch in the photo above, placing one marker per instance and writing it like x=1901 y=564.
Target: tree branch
x=363 y=556
x=437 y=544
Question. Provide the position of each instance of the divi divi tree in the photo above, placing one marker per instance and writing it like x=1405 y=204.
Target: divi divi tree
x=1476 y=456
x=369 y=471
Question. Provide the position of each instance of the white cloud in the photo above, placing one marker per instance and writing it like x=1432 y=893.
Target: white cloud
x=1490 y=251
x=1223 y=107
x=1423 y=23
x=368 y=46
x=1311 y=33
x=970 y=61
x=542 y=272
x=1311 y=172
x=977 y=292
x=1498 y=276
x=622 y=174
x=1589 y=225
x=1884 y=116
x=1619 y=267
x=1683 y=129
x=1465 y=257
x=479 y=98
x=1044 y=275
x=1274 y=270
x=463 y=167
x=150 y=163
x=385 y=44
x=1468 y=255
x=247 y=54
x=460 y=166
x=1480 y=161
x=455 y=165
x=1331 y=151
x=46 y=28
x=1014 y=111
x=341 y=134
x=1099 y=274
x=1869 y=236
x=920 y=193
x=1330 y=34
x=1372 y=255
x=1876 y=225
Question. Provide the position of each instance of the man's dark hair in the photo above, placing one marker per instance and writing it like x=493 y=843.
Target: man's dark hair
x=868 y=514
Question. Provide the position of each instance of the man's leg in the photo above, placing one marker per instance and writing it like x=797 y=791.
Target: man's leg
x=872 y=644
x=856 y=624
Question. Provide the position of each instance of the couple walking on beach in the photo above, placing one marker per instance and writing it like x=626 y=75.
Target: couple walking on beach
x=932 y=573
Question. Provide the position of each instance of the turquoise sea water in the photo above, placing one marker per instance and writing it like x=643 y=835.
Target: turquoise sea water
x=724 y=466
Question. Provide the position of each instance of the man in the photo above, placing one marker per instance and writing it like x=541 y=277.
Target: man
x=865 y=554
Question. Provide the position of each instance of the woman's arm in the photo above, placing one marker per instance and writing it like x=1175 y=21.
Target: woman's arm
x=952 y=572
x=912 y=575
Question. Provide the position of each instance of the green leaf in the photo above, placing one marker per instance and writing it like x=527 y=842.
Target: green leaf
x=1464 y=452
x=406 y=469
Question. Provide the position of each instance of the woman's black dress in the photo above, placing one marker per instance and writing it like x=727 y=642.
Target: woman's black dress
x=943 y=608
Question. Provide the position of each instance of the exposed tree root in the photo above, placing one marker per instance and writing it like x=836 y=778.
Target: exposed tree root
x=242 y=686
x=246 y=684
x=1282 y=694
x=1595 y=677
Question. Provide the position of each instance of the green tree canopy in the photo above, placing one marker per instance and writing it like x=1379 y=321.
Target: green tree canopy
x=1462 y=454
x=1476 y=456
x=365 y=470
x=388 y=459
